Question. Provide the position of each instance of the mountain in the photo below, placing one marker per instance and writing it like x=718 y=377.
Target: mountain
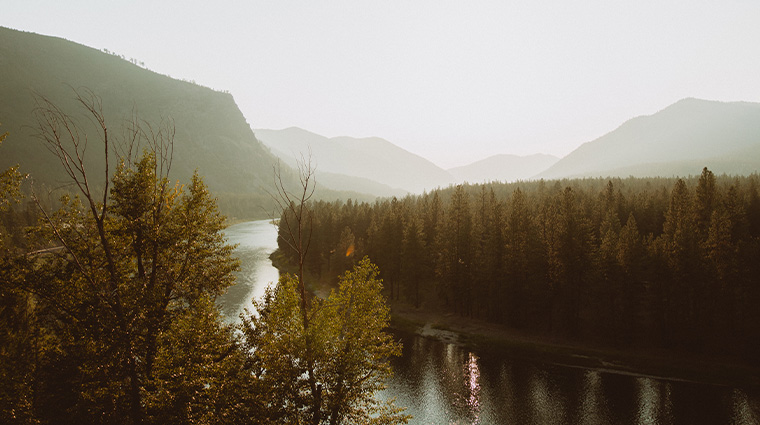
x=679 y=140
x=342 y=182
x=212 y=134
x=505 y=168
x=371 y=158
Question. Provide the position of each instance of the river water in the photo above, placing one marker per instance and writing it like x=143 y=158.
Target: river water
x=444 y=383
x=255 y=241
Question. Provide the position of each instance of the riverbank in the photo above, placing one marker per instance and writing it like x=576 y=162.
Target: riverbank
x=489 y=337
x=486 y=337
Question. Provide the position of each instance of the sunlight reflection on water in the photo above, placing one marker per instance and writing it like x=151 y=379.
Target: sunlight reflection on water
x=255 y=240
x=443 y=383
x=473 y=371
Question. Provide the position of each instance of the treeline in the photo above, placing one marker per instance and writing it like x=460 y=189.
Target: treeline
x=660 y=262
x=108 y=310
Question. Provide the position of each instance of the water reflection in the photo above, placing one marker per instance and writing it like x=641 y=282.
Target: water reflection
x=442 y=383
x=473 y=371
x=255 y=241
x=544 y=405
x=654 y=404
x=746 y=410
x=593 y=409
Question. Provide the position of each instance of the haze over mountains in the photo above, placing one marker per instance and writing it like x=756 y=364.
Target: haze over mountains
x=211 y=133
x=679 y=140
x=370 y=158
x=396 y=169
x=214 y=136
x=503 y=167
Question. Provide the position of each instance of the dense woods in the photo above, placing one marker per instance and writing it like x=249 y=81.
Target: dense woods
x=108 y=312
x=660 y=262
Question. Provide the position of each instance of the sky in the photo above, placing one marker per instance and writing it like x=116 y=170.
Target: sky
x=452 y=81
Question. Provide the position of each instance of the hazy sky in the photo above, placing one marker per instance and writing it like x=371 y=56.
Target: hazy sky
x=453 y=81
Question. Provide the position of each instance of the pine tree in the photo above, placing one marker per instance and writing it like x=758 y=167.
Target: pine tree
x=454 y=266
x=414 y=267
x=488 y=252
x=704 y=202
x=679 y=244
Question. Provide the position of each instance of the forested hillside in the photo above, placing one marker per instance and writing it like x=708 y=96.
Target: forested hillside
x=662 y=262
x=212 y=134
x=108 y=310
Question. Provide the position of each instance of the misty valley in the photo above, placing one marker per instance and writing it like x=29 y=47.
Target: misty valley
x=162 y=262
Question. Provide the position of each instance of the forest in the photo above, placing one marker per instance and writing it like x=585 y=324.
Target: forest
x=108 y=309
x=107 y=296
x=636 y=263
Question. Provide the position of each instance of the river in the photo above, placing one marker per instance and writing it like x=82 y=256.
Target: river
x=255 y=241
x=444 y=383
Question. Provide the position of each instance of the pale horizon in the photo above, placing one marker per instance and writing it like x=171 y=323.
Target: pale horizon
x=454 y=83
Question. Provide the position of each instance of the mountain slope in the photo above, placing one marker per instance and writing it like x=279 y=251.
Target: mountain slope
x=679 y=140
x=211 y=132
x=505 y=168
x=370 y=158
x=212 y=135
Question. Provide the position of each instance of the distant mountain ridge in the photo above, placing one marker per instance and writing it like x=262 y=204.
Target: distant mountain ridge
x=678 y=140
x=504 y=168
x=212 y=135
x=370 y=158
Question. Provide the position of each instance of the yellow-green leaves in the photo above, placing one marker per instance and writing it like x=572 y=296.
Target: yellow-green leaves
x=345 y=343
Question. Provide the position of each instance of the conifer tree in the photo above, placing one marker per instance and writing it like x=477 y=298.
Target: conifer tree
x=454 y=266
x=414 y=269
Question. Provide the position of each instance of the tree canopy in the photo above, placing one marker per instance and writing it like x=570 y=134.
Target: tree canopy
x=108 y=313
x=666 y=263
x=346 y=346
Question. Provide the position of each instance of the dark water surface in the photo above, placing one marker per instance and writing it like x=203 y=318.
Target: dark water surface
x=443 y=383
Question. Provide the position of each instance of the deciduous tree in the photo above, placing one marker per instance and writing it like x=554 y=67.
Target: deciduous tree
x=139 y=256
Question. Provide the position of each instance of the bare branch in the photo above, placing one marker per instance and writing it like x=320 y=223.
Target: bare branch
x=67 y=247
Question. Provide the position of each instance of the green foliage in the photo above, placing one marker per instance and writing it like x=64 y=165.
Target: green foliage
x=345 y=343
x=124 y=288
x=199 y=376
x=624 y=262
x=109 y=317
x=18 y=330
